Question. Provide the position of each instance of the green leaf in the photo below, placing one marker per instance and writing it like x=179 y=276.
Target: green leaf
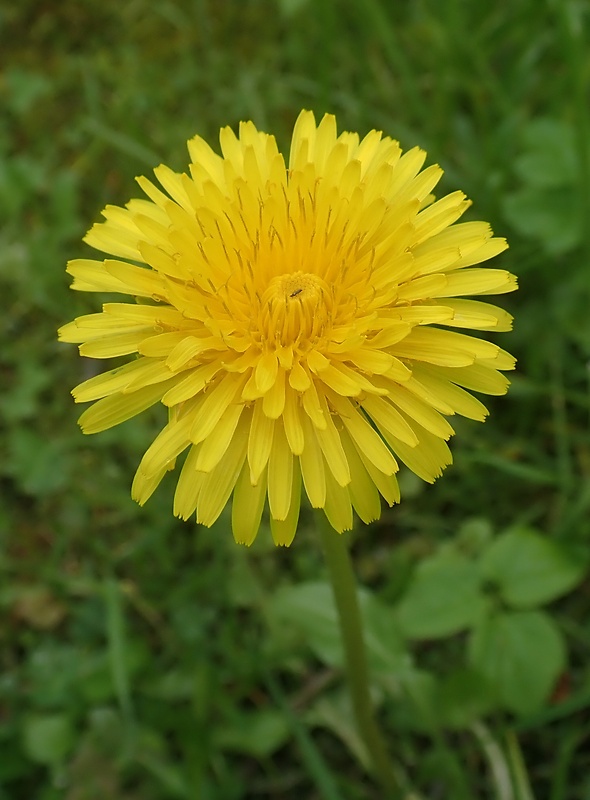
x=291 y=7
x=550 y=156
x=463 y=697
x=473 y=535
x=529 y=569
x=256 y=733
x=152 y=753
x=444 y=597
x=47 y=738
x=521 y=653
x=117 y=642
x=310 y=607
x=417 y=707
x=333 y=711
x=41 y=465
x=551 y=216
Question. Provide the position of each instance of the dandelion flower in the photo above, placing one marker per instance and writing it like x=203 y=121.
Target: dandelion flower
x=301 y=323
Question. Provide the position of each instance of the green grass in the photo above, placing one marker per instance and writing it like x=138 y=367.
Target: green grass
x=140 y=657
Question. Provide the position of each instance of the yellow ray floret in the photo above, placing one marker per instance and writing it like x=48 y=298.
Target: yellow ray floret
x=301 y=319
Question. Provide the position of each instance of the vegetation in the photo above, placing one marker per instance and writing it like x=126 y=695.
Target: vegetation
x=142 y=658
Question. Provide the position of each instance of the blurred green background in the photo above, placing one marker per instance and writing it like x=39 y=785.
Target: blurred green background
x=142 y=658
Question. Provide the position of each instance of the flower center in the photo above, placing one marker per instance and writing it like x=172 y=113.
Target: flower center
x=295 y=308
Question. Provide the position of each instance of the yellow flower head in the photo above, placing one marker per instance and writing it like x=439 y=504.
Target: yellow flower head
x=295 y=321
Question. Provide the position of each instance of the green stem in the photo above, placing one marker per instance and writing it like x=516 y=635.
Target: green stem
x=343 y=583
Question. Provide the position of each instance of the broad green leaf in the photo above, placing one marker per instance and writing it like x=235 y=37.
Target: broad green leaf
x=291 y=7
x=545 y=206
x=47 y=738
x=152 y=752
x=474 y=534
x=333 y=711
x=444 y=597
x=550 y=158
x=257 y=733
x=551 y=216
x=521 y=653
x=424 y=703
x=529 y=569
x=417 y=707
x=463 y=697
x=310 y=607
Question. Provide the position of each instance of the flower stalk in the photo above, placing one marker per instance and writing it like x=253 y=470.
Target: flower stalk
x=343 y=583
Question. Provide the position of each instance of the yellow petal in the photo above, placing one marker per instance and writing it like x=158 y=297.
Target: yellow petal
x=489 y=249
x=385 y=416
x=312 y=407
x=260 y=441
x=220 y=482
x=362 y=490
x=477 y=378
x=161 y=345
x=216 y=400
x=273 y=402
x=280 y=475
x=183 y=351
x=215 y=445
x=121 y=344
x=163 y=262
x=115 y=241
x=91 y=276
x=335 y=377
x=371 y=361
x=440 y=215
x=144 y=486
x=303 y=137
x=331 y=447
x=247 y=506
x=97 y=326
x=422 y=412
x=113 y=410
x=478 y=281
x=386 y=484
x=115 y=380
x=283 y=531
x=312 y=465
x=364 y=436
x=189 y=485
x=172 y=182
x=317 y=362
x=155 y=195
x=422 y=288
x=482 y=316
x=169 y=443
x=501 y=360
x=138 y=280
x=266 y=371
x=299 y=378
x=292 y=422
x=428 y=458
x=337 y=507
x=193 y=382
x=425 y=344
x=426 y=383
